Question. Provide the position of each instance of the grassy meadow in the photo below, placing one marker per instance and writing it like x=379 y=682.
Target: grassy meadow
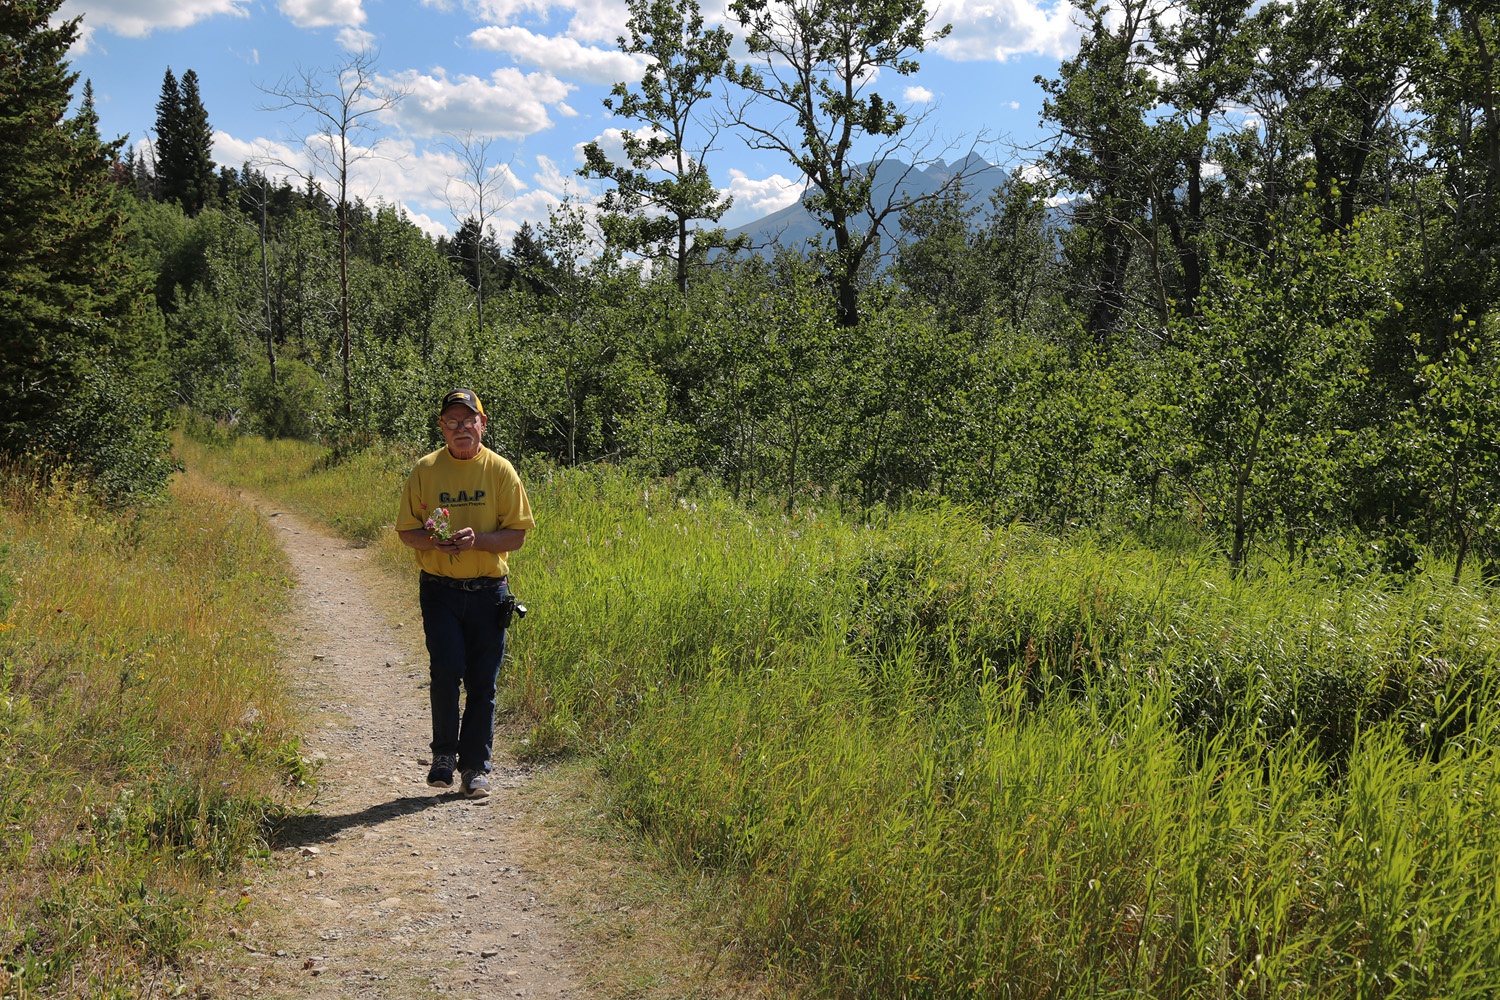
x=931 y=759
x=144 y=732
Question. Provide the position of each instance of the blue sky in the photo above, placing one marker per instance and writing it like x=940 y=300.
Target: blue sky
x=530 y=75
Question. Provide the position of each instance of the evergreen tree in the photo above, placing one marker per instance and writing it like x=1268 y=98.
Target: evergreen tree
x=478 y=259
x=80 y=340
x=88 y=116
x=195 y=172
x=530 y=261
x=168 y=131
x=184 y=142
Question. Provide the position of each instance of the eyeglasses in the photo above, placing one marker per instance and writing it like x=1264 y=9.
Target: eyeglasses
x=454 y=423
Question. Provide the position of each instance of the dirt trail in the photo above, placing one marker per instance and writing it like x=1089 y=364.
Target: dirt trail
x=387 y=888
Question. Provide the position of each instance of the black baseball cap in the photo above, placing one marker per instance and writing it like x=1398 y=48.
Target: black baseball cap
x=464 y=397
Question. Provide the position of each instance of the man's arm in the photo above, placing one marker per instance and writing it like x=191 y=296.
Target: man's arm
x=504 y=540
x=419 y=539
x=464 y=539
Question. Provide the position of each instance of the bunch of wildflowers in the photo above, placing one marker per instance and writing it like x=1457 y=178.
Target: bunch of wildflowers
x=437 y=527
x=437 y=524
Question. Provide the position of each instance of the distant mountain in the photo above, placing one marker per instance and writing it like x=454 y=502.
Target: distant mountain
x=794 y=225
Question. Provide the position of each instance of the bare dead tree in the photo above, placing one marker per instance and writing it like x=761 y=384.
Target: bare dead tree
x=478 y=191
x=342 y=107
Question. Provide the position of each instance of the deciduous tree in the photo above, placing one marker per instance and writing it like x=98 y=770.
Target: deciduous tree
x=474 y=195
x=663 y=188
x=817 y=62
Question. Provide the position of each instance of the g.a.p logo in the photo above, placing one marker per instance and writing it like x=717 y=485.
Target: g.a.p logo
x=462 y=496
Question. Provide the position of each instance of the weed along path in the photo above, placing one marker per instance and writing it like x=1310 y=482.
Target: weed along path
x=386 y=888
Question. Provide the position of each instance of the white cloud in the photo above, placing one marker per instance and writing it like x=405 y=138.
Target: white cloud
x=599 y=21
x=504 y=11
x=612 y=142
x=563 y=56
x=432 y=227
x=756 y=198
x=609 y=141
x=323 y=13
x=918 y=95
x=135 y=18
x=549 y=175
x=232 y=152
x=510 y=103
x=532 y=203
x=998 y=29
x=1015 y=105
x=355 y=39
x=400 y=174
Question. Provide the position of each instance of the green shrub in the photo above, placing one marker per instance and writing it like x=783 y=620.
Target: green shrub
x=295 y=405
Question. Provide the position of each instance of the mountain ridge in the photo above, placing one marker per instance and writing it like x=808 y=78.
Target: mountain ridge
x=795 y=226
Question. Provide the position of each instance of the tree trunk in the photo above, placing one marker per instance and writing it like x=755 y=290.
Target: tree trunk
x=344 y=303
x=265 y=286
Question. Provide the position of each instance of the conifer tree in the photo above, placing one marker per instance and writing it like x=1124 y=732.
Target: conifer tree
x=194 y=170
x=184 y=143
x=80 y=339
x=167 y=147
x=88 y=116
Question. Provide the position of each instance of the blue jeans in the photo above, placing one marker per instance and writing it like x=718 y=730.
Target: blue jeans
x=465 y=645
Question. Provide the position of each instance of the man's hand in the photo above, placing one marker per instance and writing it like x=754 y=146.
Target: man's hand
x=463 y=540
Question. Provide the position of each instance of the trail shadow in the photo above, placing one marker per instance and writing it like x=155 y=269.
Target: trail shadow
x=296 y=829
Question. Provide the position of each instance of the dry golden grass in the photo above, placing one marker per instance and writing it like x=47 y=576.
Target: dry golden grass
x=144 y=730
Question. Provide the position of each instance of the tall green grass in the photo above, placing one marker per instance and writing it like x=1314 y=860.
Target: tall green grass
x=944 y=760
x=144 y=729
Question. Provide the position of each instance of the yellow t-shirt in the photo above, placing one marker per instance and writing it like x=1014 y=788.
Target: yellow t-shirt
x=483 y=493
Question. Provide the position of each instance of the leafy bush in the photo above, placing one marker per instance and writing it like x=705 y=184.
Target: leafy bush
x=295 y=405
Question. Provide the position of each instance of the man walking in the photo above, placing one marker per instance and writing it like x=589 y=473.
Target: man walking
x=463 y=511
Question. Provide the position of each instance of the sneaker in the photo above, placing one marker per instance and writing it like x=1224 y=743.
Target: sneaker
x=476 y=785
x=441 y=775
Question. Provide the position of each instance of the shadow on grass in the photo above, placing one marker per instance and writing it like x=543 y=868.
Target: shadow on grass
x=297 y=829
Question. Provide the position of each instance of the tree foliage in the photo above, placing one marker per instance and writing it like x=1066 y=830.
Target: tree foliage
x=663 y=187
x=80 y=376
x=184 y=143
x=815 y=63
x=1246 y=298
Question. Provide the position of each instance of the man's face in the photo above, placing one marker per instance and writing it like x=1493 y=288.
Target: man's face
x=463 y=430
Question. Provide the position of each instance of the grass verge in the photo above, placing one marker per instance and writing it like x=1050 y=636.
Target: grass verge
x=934 y=759
x=143 y=730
